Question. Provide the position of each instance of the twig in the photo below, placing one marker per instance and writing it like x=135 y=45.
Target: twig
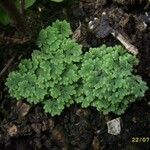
x=22 y=4
x=125 y=42
x=101 y=28
x=7 y=65
x=77 y=33
x=6 y=40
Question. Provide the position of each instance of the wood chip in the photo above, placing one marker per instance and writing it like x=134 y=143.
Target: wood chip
x=12 y=130
x=96 y=144
x=23 y=108
x=77 y=33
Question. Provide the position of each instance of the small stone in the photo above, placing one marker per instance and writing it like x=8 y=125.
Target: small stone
x=114 y=126
x=134 y=120
x=12 y=130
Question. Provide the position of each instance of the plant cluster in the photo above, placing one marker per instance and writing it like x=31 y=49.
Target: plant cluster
x=59 y=74
x=51 y=74
x=108 y=81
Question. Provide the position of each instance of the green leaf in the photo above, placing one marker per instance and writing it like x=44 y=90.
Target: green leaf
x=4 y=18
x=28 y=3
x=58 y=1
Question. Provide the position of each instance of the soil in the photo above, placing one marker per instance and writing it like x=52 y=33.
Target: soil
x=23 y=127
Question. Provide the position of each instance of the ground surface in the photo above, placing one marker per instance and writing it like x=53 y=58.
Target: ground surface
x=24 y=128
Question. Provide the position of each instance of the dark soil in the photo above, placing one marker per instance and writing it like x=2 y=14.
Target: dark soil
x=25 y=128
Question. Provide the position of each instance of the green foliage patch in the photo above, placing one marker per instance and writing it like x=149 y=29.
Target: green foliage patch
x=59 y=74
x=49 y=77
x=108 y=80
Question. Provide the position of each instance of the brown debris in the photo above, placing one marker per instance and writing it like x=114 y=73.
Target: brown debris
x=82 y=112
x=59 y=137
x=12 y=130
x=125 y=42
x=101 y=28
x=77 y=33
x=13 y=40
x=10 y=61
x=128 y=2
x=43 y=126
x=23 y=108
x=36 y=127
x=96 y=144
x=48 y=124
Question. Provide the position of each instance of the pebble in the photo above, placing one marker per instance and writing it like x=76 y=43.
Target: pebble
x=12 y=130
x=114 y=126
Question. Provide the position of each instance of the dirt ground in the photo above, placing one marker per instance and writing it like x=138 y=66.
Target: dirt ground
x=23 y=127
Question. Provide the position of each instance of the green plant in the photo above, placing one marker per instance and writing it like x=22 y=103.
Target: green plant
x=50 y=76
x=108 y=80
x=58 y=75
